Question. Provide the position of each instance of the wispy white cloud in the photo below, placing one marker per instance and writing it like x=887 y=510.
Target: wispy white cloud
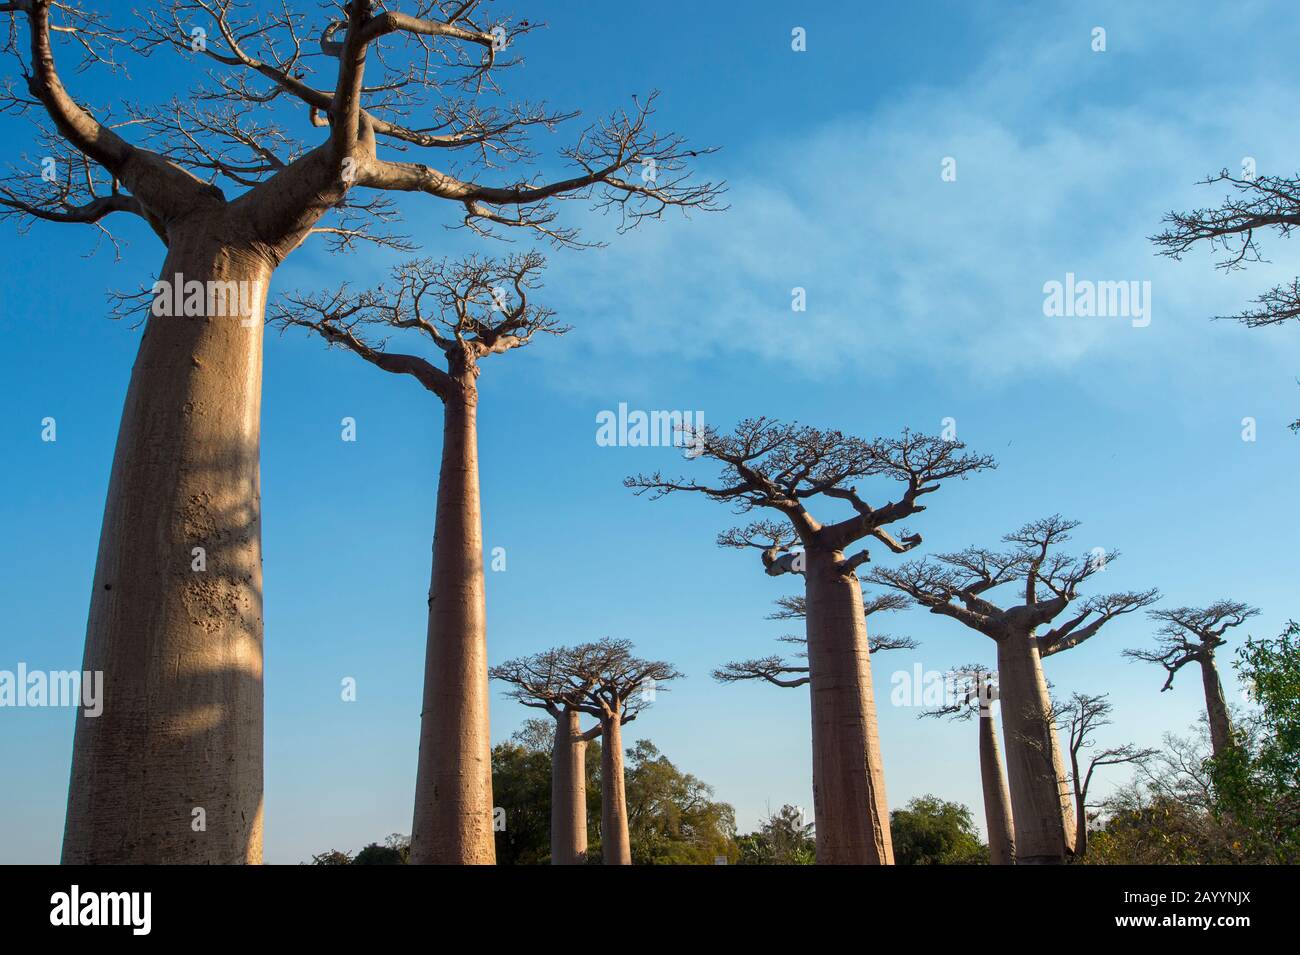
x=905 y=271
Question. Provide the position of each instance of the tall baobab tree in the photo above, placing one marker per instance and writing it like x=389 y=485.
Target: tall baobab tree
x=182 y=649
x=606 y=681
x=467 y=310
x=1192 y=635
x=782 y=671
x=956 y=585
x=775 y=466
x=558 y=682
x=1255 y=205
x=977 y=688
x=1081 y=717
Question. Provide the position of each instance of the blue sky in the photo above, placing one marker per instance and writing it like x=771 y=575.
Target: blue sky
x=924 y=303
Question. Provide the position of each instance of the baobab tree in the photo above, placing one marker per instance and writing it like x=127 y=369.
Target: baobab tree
x=792 y=672
x=775 y=466
x=604 y=680
x=558 y=682
x=181 y=648
x=976 y=689
x=956 y=585
x=1255 y=205
x=1192 y=635
x=466 y=310
x=1081 y=717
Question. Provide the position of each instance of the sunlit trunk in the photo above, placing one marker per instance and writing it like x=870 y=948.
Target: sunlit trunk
x=171 y=771
x=568 y=792
x=851 y=813
x=453 y=784
x=615 y=844
x=1041 y=808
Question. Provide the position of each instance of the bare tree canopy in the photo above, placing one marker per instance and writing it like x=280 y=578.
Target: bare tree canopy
x=602 y=678
x=1253 y=206
x=370 y=85
x=976 y=684
x=1191 y=634
x=778 y=466
x=1081 y=717
x=467 y=309
x=955 y=585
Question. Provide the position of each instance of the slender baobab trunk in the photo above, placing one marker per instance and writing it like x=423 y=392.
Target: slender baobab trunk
x=453 y=783
x=997 y=801
x=1040 y=798
x=851 y=814
x=615 y=844
x=171 y=771
x=568 y=792
x=1216 y=708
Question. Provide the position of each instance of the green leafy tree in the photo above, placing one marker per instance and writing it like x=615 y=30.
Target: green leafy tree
x=332 y=857
x=521 y=786
x=672 y=817
x=783 y=838
x=1257 y=782
x=933 y=831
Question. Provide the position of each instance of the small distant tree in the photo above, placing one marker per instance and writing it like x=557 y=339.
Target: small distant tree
x=977 y=689
x=770 y=466
x=605 y=680
x=556 y=681
x=1192 y=635
x=1081 y=717
x=957 y=585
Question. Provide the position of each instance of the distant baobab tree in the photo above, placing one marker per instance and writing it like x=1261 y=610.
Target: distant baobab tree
x=956 y=585
x=1081 y=717
x=182 y=649
x=1255 y=205
x=464 y=310
x=782 y=671
x=774 y=466
x=977 y=689
x=1192 y=635
x=559 y=681
x=604 y=680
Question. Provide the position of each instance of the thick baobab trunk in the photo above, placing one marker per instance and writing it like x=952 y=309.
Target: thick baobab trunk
x=568 y=792
x=997 y=801
x=1216 y=708
x=852 y=816
x=453 y=783
x=171 y=771
x=615 y=844
x=1041 y=807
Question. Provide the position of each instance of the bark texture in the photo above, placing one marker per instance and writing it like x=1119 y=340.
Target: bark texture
x=1041 y=806
x=453 y=794
x=569 y=792
x=851 y=812
x=180 y=649
x=997 y=800
x=615 y=843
